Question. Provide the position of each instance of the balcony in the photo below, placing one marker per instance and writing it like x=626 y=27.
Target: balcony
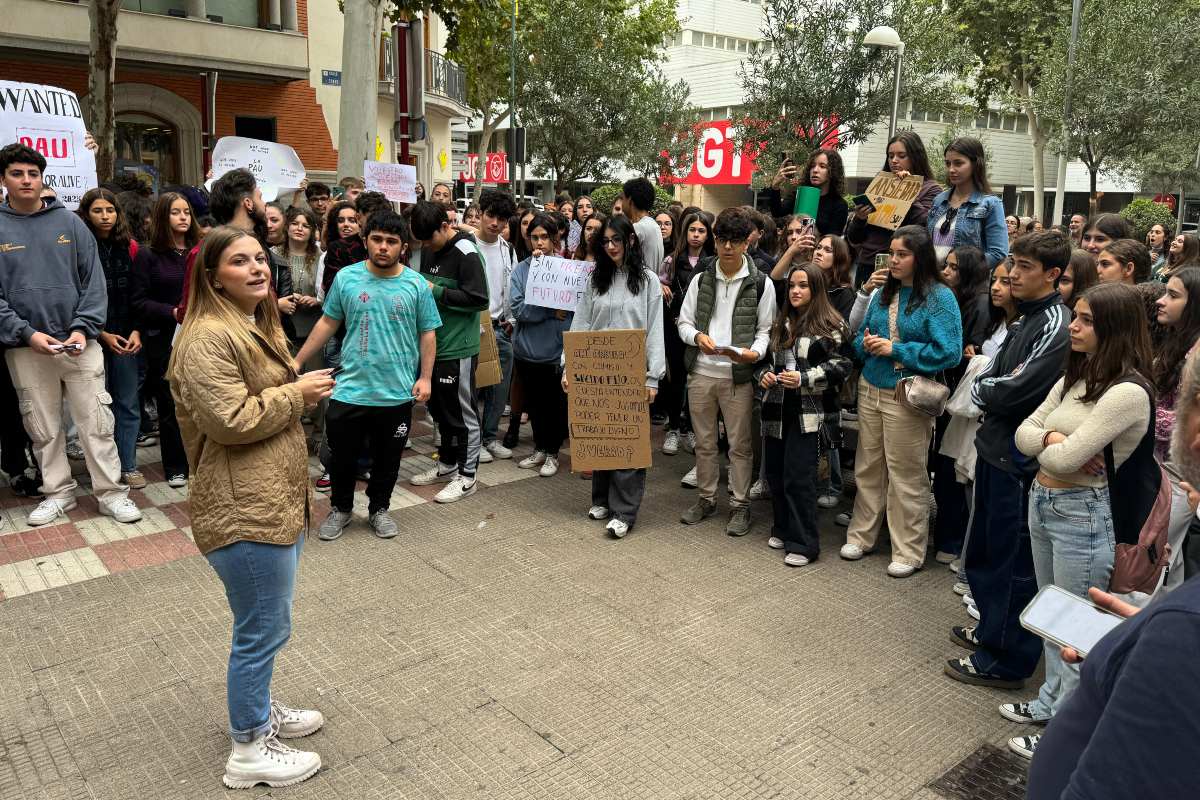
x=444 y=77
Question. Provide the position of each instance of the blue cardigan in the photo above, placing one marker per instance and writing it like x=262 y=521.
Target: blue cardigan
x=930 y=337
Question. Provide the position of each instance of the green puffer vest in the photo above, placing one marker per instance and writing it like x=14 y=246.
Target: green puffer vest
x=745 y=314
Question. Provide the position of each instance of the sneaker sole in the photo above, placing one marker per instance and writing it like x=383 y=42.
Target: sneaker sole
x=439 y=479
x=1011 y=717
x=127 y=521
x=301 y=733
x=1021 y=751
x=598 y=519
x=250 y=783
x=979 y=680
x=322 y=489
x=964 y=643
x=686 y=521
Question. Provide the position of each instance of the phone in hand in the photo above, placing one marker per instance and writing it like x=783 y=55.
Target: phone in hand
x=1067 y=619
x=863 y=200
x=808 y=226
x=883 y=261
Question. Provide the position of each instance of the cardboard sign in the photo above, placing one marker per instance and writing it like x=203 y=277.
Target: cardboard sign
x=607 y=411
x=556 y=282
x=398 y=182
x=275 y=167
x=892 y=198
x=487 y=368
x=49 y=120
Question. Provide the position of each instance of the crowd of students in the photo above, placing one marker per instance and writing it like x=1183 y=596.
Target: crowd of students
x=995 y=377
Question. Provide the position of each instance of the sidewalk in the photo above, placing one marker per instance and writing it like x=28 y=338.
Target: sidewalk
x=500 y=647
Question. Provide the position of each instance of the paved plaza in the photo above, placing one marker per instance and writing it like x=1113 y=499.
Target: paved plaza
x=500 y=647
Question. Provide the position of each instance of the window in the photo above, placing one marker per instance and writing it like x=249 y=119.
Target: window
x=743 y=46
x=918 y=114
x=1010 y=122
x=994 y=120
x=146 y=145
x=1022 y=123
x=255 y=128
x=708 y=40
x=981 y=121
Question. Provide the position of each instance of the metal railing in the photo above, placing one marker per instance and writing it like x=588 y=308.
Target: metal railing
x=444 y=77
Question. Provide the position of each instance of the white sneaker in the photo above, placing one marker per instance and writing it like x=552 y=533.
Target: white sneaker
x=689 y=481
x=829 y=500
x=598 y=512
x=549 y=467
x=617 y=528
x=177 y=481
x=295 y=723
x=484 y=456
x=433 y=475
x=968 y=599
x=122 y=510
x=689 y=442
x=944 y=558
x=759 y=490
x=498 y=450
x=851 y=552
x=775 y=543
x=535 y=460
x=671 y=443
x=973 y=612
x=961 y=588
x=796 y=560
x=49 y=510
x=457 y=489
x=270 y=761
x=900 y=570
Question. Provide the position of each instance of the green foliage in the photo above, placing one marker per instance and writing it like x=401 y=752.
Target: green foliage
x=605 y=195
x=817 y=78
x=1144 y=214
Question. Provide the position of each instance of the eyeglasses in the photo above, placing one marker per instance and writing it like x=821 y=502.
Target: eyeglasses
x=948 y=221
x=611 y=242
x=730 y=242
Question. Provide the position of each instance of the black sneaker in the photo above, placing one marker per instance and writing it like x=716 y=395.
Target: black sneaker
x=964 y=636
x=26 y=486
x=146 y=440
x=1021 y=712
x=965 y=671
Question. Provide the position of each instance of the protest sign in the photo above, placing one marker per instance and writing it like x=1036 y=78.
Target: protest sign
x=556 y=282
x=607 y=409
x=275 y=166
x=398 y=182
x=49 y=120
x=893 y=197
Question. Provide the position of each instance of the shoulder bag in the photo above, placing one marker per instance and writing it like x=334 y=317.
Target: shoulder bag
x=925 y=395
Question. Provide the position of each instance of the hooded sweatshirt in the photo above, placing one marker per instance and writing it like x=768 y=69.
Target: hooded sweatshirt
x=51 y=278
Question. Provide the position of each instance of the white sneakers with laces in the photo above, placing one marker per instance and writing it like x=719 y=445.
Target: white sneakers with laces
x=458 y=488
x=534 y=459
x=433 y=475
x=122 y=510
x=267 y=759
x=49 y=510
x=671 y=443
x=549 y=467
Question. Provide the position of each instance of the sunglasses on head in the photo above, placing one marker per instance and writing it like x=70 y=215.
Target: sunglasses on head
x=948 y=221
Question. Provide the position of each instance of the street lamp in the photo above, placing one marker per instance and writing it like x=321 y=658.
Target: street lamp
x=883 y=36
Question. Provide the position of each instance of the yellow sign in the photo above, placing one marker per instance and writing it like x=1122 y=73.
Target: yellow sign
x=378 y=149
x=442 y=159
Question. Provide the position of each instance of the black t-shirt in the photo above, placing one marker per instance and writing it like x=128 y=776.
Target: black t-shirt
x=1132 y=728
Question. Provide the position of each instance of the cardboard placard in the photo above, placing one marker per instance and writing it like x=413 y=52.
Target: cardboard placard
x=893 y=198
x=487 y=369
x=607 y=411
x=398 y=182
x=556 y=282
x=49 y=120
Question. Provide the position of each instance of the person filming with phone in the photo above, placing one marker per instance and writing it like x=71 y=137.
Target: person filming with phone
x=1129 y=729
x=825 y=172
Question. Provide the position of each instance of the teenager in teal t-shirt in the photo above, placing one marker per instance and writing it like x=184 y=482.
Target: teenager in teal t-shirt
x=387 y=362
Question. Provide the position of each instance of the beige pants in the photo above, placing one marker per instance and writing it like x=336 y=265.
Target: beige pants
x=891 y=471
x=706 y=398
x=41 y=382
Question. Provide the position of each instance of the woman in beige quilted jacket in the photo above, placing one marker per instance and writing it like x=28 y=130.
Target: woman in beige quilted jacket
x=239 y=400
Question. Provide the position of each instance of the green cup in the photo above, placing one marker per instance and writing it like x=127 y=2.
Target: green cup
x=807 y=200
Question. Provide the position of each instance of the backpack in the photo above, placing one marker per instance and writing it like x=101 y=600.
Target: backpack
x=1141 y=518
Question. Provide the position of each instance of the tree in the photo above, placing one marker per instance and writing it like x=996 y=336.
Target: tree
x=1144 y=214
x=593 y=94
x=814 y=83
x=102 y=75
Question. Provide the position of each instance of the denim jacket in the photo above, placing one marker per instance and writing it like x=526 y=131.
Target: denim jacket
x=980 y=213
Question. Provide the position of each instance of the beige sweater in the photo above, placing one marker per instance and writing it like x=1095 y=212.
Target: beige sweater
x=1121 y=417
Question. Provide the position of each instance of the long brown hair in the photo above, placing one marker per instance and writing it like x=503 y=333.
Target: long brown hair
x=839 y=271
x=330 y=233
x=119 y=235
x=817 y=317
x=1122 y=342
x=161 y=240
x=205 y=302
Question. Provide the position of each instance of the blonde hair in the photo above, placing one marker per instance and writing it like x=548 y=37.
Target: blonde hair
x=205 y=302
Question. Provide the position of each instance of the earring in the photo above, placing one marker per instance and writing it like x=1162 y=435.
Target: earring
x=216 y=285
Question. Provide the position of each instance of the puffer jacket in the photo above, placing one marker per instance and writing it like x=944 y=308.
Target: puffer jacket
x=239 y=415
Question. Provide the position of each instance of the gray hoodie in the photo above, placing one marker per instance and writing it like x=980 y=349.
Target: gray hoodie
x=51 y=279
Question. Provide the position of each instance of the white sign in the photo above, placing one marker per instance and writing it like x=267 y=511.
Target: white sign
x=49 y=120
x=555 y=282
x=275 y=166
x=398 y=182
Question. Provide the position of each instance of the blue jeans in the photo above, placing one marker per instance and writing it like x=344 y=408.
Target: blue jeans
x=121 y=381
x=495 y=397
x=259 y=582
x=833 y=483
x=1073 y=548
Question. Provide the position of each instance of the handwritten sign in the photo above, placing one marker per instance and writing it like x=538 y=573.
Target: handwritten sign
x=49 y=120
x=607 y=410
x=556 y=282
x=275 y=167
x=398 y=182
x=893 y=198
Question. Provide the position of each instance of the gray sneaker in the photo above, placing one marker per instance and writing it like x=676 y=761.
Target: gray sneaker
x=739 y=521
x=382 y=523
x=333 y=525
x=700 y=511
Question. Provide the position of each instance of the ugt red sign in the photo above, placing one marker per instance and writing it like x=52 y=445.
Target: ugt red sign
x=717 y=160
x=495 y=168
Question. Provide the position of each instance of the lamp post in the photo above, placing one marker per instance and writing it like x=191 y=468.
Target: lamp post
x=1060 y=191
x=883 y=36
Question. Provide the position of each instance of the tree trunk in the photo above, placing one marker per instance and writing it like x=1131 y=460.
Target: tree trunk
x=485 y=144
x=1038 y=138
x=102 y=74
x=1093 y=201
x=362 y=21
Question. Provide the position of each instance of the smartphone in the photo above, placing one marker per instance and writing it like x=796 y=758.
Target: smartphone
x=1067 y=619
x=808 y=225
x=883 y=261
x=75 y=347
x=863 y=200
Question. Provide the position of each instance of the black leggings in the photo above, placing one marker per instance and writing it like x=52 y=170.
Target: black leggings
x=545 y=402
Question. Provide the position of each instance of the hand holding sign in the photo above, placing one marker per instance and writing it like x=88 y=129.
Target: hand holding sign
x=275 y=166
x=49 y=120
x=893 y=195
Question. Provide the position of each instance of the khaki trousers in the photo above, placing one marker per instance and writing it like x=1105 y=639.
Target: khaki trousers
x=41 y=382
x=892 y=473
x=708 y=398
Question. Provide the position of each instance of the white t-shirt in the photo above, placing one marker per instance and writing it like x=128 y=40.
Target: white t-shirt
x=498 y=262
